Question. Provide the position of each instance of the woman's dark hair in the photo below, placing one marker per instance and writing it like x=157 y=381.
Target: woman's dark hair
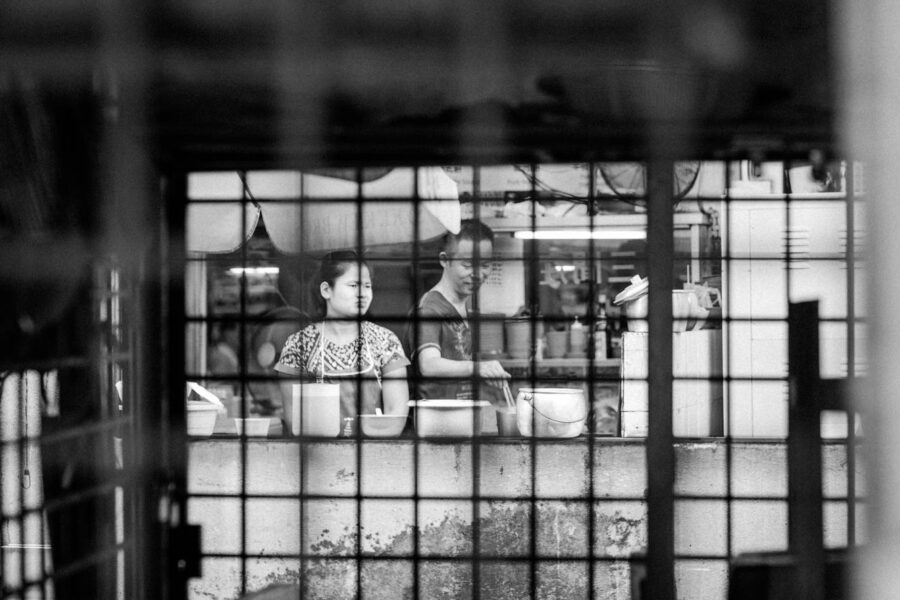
x=334 y=265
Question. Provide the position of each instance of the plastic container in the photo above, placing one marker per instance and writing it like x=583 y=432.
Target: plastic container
x=686 y=309
x=518 y=338
x=314 y=409
x=557 y=343
x=506 y=422
x=577 y=339
x=448 y=417
x=634 y=300
x=551 y=412
x=382 y=426
x=252 y=426
x=600 y=335
x=201 y=418
x=490 y=335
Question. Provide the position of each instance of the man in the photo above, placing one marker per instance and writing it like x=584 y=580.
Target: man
x=439 y=337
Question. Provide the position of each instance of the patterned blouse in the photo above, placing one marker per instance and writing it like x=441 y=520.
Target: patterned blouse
x=301 y=354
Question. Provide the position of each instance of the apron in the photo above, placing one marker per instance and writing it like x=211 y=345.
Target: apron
x=367 y=380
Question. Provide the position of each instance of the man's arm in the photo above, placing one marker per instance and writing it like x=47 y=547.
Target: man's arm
x=432 y=364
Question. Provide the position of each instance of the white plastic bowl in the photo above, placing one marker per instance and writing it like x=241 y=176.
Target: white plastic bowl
x=382 y=426
x=448 y=417
x=201 y=418
x=252 y=426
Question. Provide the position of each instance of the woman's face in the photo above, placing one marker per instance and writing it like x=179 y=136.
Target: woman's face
x=351 y=294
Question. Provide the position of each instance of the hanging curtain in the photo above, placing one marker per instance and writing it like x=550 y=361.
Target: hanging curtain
x=219 y=227
x=327 y=216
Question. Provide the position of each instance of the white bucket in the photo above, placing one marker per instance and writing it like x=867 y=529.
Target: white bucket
x=314 y=410
x=551 y=412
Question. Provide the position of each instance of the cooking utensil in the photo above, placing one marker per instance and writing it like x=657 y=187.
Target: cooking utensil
x=507 y=395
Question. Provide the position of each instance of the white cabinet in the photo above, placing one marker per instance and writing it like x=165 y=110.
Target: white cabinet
x=696 y=389
x=785 y=251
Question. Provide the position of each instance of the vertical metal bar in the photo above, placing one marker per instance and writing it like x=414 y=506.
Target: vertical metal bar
x=416 y=293
x=172 y=438
x=592 y=368
x=532 y=259
x=850 y=201
x=660 y=455
x=805 y=453
x=357 y=437
x=3 y=519
x=725 y=303
x=133 y=233
x=246 y=196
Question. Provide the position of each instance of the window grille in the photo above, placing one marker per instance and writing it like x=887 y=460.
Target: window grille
x=530 y=516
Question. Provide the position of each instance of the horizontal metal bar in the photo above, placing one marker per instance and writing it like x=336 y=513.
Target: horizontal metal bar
x=80 y=431
x=72 y=498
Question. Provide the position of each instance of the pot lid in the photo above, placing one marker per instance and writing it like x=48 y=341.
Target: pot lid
x=639 y=287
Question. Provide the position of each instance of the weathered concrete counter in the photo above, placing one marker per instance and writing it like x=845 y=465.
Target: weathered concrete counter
x=560 y=516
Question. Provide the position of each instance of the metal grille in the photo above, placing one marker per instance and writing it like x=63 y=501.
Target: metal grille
x=229 y=86
x=501 y=516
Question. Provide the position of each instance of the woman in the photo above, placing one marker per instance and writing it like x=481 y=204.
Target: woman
x=367 y=360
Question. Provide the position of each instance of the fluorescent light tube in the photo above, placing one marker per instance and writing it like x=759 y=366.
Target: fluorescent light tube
x=253 y=270
x=582 y=234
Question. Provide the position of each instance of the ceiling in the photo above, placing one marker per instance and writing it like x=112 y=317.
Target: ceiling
x=228 y=84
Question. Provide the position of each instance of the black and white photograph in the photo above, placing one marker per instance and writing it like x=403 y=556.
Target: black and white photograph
x=449 y=300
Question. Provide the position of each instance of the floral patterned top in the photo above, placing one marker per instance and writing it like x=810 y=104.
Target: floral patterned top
x=302 y=354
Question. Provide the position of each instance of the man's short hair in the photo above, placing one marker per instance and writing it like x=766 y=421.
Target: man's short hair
x=469 y=229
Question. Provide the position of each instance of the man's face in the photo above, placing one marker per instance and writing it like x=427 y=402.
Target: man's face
x=465 y=270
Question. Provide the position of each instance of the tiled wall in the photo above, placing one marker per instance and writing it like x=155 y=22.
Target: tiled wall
x=549 y=516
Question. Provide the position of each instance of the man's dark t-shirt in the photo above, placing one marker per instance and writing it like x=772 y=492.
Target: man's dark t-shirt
x=437 y=324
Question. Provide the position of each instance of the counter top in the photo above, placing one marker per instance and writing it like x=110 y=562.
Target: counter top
x=611 y=363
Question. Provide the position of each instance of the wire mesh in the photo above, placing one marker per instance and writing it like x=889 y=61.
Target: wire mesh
x=487 y=515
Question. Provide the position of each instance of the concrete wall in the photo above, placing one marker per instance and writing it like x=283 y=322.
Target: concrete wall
x=578 y=508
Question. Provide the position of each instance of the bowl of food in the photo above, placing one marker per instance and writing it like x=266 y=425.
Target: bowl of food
x=252 y=426
x=382 y=426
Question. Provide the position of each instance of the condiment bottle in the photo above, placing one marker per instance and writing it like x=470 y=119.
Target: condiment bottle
x=600 y=351
x=576 y=337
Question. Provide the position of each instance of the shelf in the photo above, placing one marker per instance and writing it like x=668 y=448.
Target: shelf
x=561 y=362
x=636 y=220
x=737 y=195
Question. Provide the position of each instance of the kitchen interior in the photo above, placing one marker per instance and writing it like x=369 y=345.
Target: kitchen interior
x=663 y=207
x=563 y=307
